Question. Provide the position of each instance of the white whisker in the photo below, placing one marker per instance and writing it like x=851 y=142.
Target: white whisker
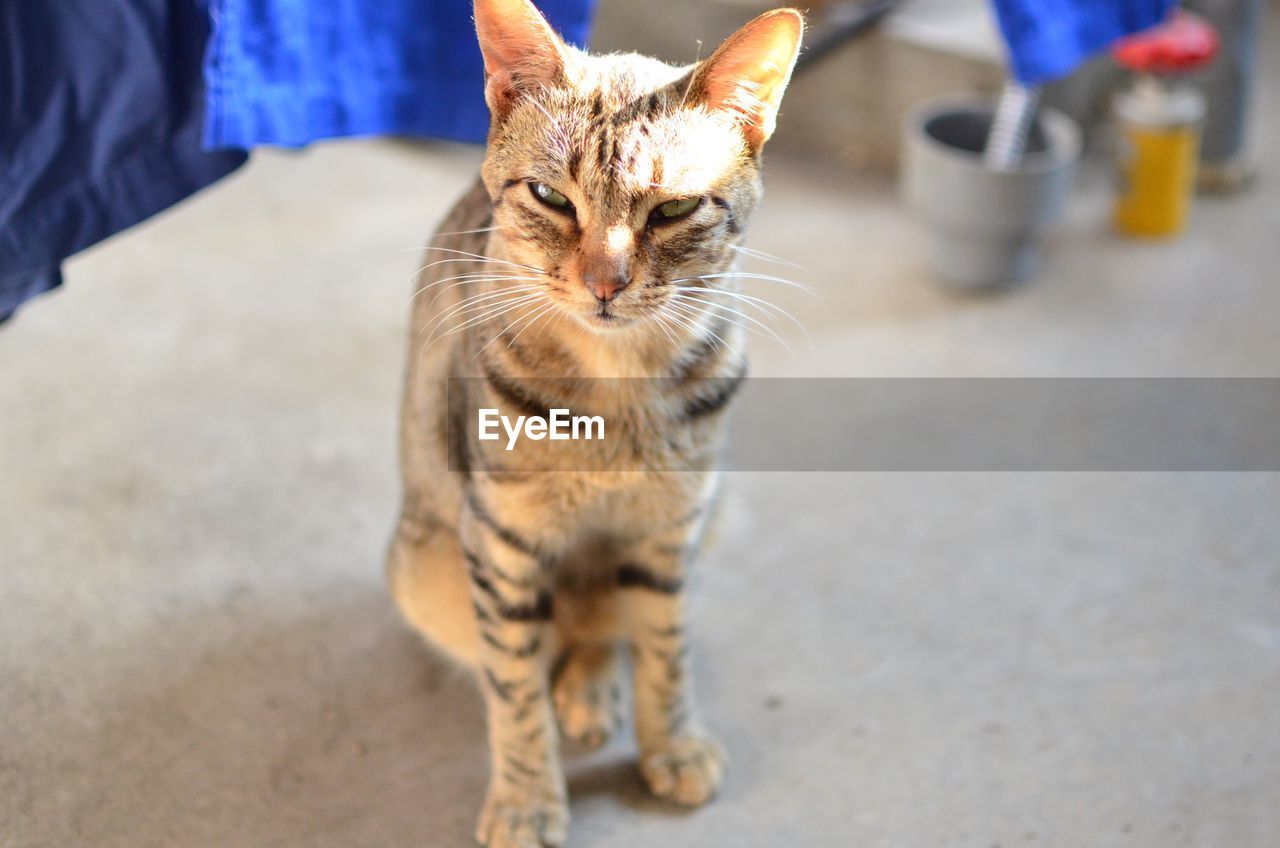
x=661 y=318
x=480 y=297
x=766 y=257
x=697 y=57
x=507 y=329
x=680 y=321
x=485 y=258
x=516 y=267
x=550 y=306
x=479 y=301
x=492 y=229
x=729 y=310
x=699 y=331
x=490 y=313
x=750 y=276
x=467 y=278
x=485 y=310
x=639 y=327
x=447 y=288
x=559 y=319
x=759 y=303
x=479 y=320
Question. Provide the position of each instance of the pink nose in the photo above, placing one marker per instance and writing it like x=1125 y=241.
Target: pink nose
x=607 y=289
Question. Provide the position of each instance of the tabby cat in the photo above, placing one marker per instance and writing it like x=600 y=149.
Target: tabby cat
x=595 y=249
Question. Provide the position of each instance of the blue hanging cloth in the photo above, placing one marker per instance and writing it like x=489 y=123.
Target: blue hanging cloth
x=1047 y=39
x=101 y=113
x=289 y=72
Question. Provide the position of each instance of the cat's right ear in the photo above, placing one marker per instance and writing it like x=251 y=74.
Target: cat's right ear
x=521 y=51
x=747 y=75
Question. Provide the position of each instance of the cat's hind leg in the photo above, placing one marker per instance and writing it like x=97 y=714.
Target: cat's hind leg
x=428 y=579
x=586 y=689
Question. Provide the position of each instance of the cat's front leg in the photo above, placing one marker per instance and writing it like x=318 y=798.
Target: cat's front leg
x=679 y=760
x=526 y=803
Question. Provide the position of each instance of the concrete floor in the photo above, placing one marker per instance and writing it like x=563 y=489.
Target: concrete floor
x=196 y=445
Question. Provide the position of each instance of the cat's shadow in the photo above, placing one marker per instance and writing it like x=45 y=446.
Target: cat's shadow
x=287 y=721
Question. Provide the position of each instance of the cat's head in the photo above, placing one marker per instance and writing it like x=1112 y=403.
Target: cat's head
x=620 y=177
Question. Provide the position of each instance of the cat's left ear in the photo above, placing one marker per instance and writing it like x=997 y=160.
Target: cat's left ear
x=521 y=51
x=749 y=72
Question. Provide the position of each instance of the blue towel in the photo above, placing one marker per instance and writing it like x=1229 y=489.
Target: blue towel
x=1047 y=39
x=289 y=72
x=101 y=111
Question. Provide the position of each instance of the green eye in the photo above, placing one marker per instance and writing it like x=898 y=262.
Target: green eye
x=550 y=196
x=673 y=209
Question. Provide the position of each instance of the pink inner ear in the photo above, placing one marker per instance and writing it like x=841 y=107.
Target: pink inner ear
x=738 y=96
x=499 y=89
x=520 y=49
x=749 y=73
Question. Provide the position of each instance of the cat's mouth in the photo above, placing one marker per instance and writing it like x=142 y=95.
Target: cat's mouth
x=607 y=315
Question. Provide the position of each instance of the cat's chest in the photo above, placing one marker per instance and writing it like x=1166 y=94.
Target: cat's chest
x=608 y=508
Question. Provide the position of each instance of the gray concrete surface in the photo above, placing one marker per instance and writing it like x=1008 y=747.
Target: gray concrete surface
x=197 y=478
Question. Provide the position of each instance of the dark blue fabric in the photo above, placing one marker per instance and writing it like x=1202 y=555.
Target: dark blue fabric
x=101 y=111
x=1047 y=39
x=289 y=72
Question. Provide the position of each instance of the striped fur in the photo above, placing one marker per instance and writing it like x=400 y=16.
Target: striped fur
x=537 y=580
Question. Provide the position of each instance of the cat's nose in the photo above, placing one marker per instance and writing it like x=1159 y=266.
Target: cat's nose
x=606 y=266
x=606 y=288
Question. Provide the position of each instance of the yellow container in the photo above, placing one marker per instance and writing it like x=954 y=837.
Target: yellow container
x=1159 y=145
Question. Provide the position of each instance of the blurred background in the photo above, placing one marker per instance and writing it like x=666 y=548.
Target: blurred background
x=198 y=471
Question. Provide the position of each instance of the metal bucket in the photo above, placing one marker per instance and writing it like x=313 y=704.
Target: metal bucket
x=985 y=226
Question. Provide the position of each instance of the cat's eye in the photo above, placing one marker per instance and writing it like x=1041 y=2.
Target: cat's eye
x=673 y=209
x=550 y=196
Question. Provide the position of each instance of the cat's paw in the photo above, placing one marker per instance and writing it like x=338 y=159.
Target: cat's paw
x=536 y=824
x=687 y=770
x=588 y=704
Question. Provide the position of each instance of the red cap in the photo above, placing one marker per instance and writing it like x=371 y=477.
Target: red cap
x=1184 y=43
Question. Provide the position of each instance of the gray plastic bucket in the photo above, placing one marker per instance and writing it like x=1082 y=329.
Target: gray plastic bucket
x=985 y=226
